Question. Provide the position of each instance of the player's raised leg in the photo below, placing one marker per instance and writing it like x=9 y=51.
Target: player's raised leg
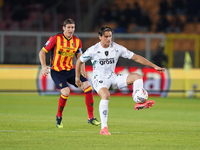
x=137 y=82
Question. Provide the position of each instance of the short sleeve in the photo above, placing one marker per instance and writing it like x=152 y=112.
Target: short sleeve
x=50 y=44
x=87 y=55
x=80 y=44
x=126 y=53
x=79 y=50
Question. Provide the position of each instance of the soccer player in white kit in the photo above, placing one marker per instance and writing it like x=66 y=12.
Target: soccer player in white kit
x=104 y=56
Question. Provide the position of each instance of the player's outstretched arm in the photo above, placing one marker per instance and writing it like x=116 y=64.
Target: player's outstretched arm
x=78 y=72
x=144 y=61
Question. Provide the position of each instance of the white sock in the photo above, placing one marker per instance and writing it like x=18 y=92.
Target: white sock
x=137 y=84
x=103 y=111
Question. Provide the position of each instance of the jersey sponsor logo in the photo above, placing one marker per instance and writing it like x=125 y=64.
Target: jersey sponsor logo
x=106 y=61
x=68 y=54
x=100 y=81
x=98 y=52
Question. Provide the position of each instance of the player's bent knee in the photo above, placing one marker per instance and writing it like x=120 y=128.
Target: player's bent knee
x=65 y=91
x=104 y=93
x=105 y=96
x=86 y=84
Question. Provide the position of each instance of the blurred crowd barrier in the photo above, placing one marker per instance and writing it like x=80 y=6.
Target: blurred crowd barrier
x=172 y=83
x=23 y=47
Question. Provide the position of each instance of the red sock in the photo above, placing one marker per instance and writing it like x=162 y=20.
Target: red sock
x=89 y=101
x=61 y=104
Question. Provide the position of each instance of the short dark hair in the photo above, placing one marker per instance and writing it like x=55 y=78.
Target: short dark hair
x=68 y=21
x=103 y=29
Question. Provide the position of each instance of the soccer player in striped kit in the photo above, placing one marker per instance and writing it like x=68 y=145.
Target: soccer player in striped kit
x=63 y=47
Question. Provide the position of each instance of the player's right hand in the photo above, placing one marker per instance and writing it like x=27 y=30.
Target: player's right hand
x=159 y=69
x=79 y=83
x=45 y=70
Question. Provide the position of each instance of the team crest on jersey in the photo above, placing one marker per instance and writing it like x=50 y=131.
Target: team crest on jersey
x=73 y=44
x=106 y=53
x=60 y=84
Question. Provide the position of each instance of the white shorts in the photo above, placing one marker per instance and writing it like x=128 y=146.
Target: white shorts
x=114 y=83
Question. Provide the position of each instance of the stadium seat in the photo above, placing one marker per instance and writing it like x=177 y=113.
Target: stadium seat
x=130 y=27
x=198 y=28
x=189 y=28
x=113 y=25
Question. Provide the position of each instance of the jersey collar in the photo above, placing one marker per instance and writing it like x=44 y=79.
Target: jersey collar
x=66 y=37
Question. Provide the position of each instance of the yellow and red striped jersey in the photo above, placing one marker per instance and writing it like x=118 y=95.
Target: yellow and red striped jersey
x=62 y=51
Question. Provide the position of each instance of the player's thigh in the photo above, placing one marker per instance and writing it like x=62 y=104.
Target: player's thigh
x=101 y=83
x=86 y=84
x=104 y=93
x=59 y=79
x=121 y=80
x=71 y=78
x=132 y=77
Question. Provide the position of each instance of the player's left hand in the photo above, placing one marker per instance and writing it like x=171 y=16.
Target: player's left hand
x=159 y=69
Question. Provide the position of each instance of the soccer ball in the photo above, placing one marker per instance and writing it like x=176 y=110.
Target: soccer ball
x=140 y=95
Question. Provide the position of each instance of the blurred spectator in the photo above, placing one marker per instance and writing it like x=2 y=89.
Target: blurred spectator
x=193 y=10
x=162 y=24
x=47 y=20
x=122 y=24
x=123 y=20
x=175 y=25
x=163 y=7
x=48 y=3
x=114 y=13
x=160 y=59
x=104 y=15
x=178 y=6
x=144 y=21
x=1 y=5
x=136 y=13
x=128 y=12
x=19 y=13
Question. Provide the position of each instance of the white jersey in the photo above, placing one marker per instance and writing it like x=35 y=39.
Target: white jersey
x=104 y=60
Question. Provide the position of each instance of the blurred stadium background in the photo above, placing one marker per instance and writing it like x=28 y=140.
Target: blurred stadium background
x=143 y=26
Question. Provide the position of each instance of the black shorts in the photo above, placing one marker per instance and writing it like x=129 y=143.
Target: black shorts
x=62 y=77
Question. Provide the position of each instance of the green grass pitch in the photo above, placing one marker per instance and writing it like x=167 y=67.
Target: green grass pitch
x=27 y=122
